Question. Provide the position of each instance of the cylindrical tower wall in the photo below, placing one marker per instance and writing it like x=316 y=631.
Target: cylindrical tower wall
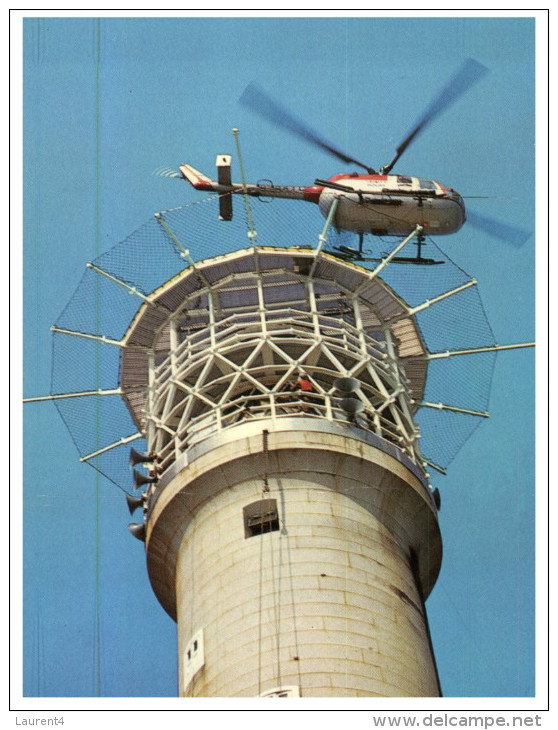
x=330 y=602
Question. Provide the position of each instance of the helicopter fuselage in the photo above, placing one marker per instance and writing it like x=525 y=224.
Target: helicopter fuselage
x=392 y=205
x=384 y=205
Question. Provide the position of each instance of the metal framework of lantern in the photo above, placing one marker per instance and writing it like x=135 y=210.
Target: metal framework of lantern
x=245 y=324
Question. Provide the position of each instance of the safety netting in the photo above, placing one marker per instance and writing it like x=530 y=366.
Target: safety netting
x=87 y=337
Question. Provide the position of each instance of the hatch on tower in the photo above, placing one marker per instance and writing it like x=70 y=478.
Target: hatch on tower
x=260 y=517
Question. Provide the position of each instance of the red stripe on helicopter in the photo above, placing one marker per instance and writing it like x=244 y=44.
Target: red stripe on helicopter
x=312 y=193
x=346 y=176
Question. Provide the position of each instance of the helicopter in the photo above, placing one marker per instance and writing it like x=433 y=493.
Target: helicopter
x=376 y=202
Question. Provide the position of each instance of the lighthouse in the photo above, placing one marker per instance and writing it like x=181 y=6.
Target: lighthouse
x=289 y=526
x=283 y=407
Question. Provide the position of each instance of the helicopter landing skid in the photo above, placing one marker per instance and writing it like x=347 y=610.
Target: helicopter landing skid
x=407 y=260
x=350 y=254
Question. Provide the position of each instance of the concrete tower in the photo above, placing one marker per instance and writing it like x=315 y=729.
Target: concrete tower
x=291 y=533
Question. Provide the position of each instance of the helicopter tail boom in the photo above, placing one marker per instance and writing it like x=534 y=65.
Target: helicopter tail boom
x=225 y=187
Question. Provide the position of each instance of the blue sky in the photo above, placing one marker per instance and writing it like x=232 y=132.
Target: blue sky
x=168 y=93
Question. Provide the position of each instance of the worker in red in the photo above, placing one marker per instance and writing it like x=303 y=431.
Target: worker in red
x=305 y=387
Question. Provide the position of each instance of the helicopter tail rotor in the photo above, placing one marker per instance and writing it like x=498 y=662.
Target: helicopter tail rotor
x=165 y=171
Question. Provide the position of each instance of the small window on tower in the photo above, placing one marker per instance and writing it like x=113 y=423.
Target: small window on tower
x=260 y=517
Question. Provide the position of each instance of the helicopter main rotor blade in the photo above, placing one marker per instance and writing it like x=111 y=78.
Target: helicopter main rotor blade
x=509 y=234
x=469 y=73
x=260 y=102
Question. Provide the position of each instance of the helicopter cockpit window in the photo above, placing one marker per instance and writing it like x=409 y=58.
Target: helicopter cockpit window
x=427 y=184
x=404 y=180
